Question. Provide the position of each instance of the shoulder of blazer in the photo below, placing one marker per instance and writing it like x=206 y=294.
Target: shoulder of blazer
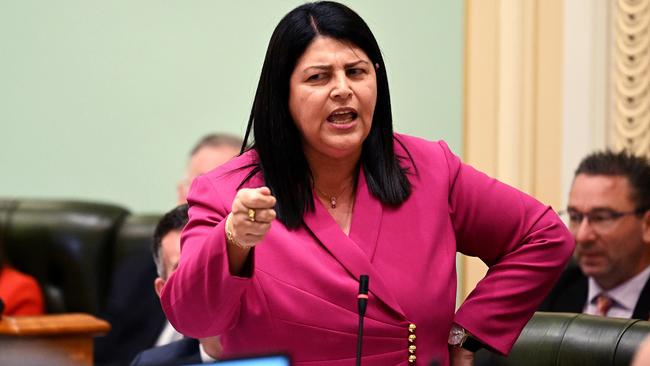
x=642 y=308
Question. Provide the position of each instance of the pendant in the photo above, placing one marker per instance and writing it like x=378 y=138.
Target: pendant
x=333 y=202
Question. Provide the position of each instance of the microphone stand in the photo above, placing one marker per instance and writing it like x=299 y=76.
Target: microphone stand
x=362 y=302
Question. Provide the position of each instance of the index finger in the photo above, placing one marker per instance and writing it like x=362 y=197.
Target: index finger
x=259 y=198
x=264 y=190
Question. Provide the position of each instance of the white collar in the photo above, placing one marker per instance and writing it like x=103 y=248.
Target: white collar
x=625 y=295
x=205 y=357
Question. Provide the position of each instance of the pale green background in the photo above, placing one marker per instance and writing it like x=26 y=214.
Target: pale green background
x=101 y=100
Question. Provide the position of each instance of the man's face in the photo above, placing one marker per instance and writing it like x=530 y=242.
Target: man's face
x=611 y=251
x=170 y=254
x=204 y=160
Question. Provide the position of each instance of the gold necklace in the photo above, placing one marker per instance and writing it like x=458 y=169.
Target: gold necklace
x=332 y=198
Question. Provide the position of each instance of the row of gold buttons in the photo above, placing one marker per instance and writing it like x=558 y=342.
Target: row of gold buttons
x=412 y=356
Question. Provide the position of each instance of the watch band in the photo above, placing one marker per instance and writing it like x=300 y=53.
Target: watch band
x=459 y=337
x=471 y=344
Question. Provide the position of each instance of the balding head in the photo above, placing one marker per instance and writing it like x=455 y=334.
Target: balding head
x=210 y=152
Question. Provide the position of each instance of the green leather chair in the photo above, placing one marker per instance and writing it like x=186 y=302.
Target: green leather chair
x=134 y=236
x=568 y=339
x=66 y=245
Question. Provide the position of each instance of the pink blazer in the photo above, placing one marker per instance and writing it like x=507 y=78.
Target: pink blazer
x=301 y=296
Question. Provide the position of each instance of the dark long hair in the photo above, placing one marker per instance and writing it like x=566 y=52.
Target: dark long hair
x=276 y=137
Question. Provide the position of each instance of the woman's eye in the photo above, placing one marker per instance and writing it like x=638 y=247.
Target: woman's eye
x=316 y=77
x=355 y=71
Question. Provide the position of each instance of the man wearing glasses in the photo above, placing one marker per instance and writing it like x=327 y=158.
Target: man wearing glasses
x=609 y=217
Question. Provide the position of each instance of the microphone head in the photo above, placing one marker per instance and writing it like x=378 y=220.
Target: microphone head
x=363 y=284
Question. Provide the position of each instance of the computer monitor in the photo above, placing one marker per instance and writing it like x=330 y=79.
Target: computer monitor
x=272 y=360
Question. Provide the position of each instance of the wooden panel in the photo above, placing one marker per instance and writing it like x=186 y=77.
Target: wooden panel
x=55 y=350
x=61 y=324
x=480 y=107
x=513 y=105
x=548 y=114
x=65 y=339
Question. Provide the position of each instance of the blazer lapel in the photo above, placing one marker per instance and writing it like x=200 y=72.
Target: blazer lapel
x=576 y=295
x=569 y=293
x=366 y=218
x=356 y=251
x=642 y=308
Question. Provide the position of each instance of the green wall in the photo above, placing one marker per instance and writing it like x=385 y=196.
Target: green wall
x=101 y=100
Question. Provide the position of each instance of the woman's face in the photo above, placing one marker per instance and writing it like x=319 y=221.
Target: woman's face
x=332 y=97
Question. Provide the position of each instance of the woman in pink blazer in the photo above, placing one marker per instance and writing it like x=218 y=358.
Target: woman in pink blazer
x=279 y=236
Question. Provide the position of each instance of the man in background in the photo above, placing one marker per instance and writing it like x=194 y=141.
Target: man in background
x=210 y=152
x=166 y=252
x=133 y=309
x=609 y=216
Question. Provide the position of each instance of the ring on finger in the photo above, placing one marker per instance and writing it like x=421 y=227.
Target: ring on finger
x=251 y=215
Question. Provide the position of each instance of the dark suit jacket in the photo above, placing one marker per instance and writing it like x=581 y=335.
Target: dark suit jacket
x=570 y=294
x=133 y=310
x=183 y=352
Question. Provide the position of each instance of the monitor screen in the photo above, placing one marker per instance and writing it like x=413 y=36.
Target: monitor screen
x=275 y=360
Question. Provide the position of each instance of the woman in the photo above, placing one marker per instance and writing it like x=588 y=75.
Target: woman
x=352 y=198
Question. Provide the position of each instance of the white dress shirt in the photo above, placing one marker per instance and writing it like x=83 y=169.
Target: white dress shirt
x=205 y=357
x=624 y=296
x=168 y=335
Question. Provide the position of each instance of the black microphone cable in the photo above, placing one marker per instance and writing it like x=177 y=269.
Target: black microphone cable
x=362 y=302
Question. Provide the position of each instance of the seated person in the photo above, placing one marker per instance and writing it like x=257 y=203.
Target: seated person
x=609 y=217
x=166 y=254
x=20 y=293
x=211 y=151
x=137 y=320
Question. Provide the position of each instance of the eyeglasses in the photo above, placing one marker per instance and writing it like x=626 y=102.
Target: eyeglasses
x=599 y=219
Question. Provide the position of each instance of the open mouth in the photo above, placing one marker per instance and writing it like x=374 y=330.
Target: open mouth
x=342 y=116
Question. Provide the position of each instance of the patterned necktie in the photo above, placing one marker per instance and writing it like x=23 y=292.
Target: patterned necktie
x=603 y=304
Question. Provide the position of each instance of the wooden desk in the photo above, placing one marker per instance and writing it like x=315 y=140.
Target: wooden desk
x=62 y=339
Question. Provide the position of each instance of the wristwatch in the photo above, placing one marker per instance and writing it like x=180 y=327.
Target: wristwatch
x=459 y=337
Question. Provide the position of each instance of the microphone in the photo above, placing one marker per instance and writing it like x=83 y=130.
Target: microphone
x=2 y=307
x=362 y=302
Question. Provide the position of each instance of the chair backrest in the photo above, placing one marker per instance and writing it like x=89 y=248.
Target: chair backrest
x=134 y=236
x=568 y=339
x=66 y=245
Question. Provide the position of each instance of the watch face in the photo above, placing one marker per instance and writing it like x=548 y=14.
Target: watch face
x=456 y=335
